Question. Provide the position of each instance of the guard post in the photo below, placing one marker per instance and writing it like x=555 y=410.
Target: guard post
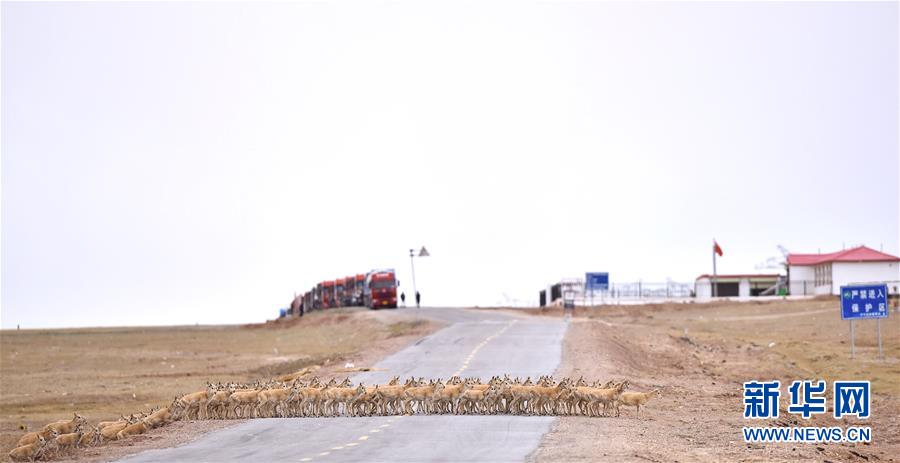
x=861 y=302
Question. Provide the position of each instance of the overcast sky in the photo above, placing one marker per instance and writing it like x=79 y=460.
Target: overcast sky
x=170 y=163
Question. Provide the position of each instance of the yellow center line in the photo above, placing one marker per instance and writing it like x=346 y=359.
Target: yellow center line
x=471 y=355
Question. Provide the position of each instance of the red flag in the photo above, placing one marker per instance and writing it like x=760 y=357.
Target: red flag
x=716 y=248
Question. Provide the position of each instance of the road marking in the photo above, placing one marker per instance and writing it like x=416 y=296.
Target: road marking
x=352 y=444
x=384 y=426
x=306 y=459
x=374 y=430
x=324 y=453
x=339 y=447
x=471 y=355
x=363 y=438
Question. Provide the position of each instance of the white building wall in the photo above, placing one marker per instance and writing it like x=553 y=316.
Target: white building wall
x=845 y=273
x=801 y=274
x=703 y=288
x=744 y=288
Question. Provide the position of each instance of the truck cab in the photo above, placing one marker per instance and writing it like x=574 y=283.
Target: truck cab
x=381 y=290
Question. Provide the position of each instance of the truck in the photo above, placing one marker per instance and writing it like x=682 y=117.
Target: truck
x=317 y=296
x=380 y=289
x=328 y=294
x=360 y=283
x=308 y=300
x=339 y=292
x=349 y=291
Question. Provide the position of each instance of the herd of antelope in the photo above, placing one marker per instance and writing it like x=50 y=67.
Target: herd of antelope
x=301 y=398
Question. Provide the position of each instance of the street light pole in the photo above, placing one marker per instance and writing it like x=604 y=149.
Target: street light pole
x=413 y=267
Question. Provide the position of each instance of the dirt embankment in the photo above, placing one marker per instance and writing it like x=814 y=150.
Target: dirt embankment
x=699 y=355
x=101 y=373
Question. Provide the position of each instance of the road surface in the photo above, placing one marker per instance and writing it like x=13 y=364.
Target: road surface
x=475 y=343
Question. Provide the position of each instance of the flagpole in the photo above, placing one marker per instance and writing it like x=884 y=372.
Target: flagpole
x=714 y=270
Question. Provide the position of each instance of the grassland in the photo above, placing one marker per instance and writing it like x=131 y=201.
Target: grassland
x=101 y=373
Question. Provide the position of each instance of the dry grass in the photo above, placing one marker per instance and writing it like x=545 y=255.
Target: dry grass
x=46 y=375
x=699 y=355
x=809 y=336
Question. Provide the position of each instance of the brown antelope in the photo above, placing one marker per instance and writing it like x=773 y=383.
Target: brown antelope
x=269 y=400
x=121 y=419
x=90 y=438
x=390 y=398
x=636 y=399
x=218 y=401
x=66 y=426
x=344 y=395
x=70 y=440
x=241 y=400
x=133 y=429
x=33 y=437
x=194 y=404
x=110 y=432
x=421 y=396
x=30 y=451
x=446 y=400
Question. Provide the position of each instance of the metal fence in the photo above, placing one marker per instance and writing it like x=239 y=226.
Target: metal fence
x=675 y=291
x=817 y=288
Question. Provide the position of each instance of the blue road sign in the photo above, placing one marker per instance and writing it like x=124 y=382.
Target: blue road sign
x=864 y=301
x=596 y=281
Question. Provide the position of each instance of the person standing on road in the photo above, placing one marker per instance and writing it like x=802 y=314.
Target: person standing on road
x=403 y=299
x=418 y=298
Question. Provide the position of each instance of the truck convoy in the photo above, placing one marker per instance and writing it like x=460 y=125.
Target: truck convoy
x=375 y=289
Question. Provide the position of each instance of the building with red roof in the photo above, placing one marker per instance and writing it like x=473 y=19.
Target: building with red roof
x=826 y=273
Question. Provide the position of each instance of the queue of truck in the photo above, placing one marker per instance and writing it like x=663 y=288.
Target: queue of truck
x=376 y=289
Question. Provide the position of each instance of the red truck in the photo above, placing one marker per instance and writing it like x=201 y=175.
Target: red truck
x=380 y=289
x=349 y=291
x=328 y=294
x=317 y=297
x=340 y=291
x=359 y=289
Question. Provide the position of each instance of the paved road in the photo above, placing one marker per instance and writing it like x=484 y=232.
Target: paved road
x=475 y=343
